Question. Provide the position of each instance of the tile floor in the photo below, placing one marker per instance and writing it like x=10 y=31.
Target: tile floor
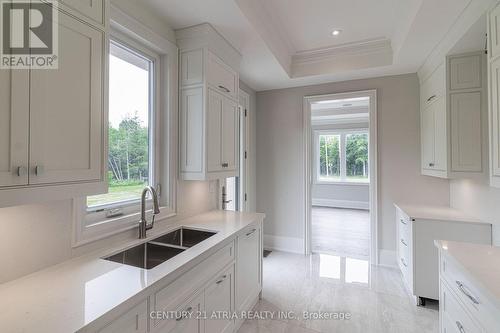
x=344 y=232
x=374 y=296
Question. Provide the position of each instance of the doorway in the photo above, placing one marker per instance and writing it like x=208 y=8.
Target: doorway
x=340 y=162
x=233 y=191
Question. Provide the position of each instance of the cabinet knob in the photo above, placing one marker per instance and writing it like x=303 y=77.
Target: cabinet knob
x=21 y=171
x=39 y=170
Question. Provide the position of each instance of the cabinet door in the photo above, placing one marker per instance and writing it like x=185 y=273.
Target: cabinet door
x=230 y=137
x=189 y=318
x=134 y=321
x=248 y=268
x=495 y=117
x=214 y=131
x=222 y=77
x=427 y=133
x=66 y=125
x=440 y=135
x=219 y=302
x=90 y=8
x=465 y=72
x=494 y=33
x=191 y=129
x=466 y=136
x=14 y=122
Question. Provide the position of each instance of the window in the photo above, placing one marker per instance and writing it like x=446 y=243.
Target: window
x=342 y=156
x=130 y=144
x=329 y=157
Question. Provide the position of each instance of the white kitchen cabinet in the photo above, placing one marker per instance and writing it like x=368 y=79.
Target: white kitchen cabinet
x=209 y=138
x=417 y=229
x=14 y=120
x=134 y=320
x=52 y=126
x=466 y=302
x=93 y=9
x=494 y=93
x=66 y=111
x=219 y=303
x=453 y=118
x=248 y=266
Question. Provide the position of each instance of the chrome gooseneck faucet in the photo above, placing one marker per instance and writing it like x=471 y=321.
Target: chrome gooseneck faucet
x=143 y=223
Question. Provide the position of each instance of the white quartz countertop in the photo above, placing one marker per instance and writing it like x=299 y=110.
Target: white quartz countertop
x=69 y=296
x=481 y=263
x=441 y=213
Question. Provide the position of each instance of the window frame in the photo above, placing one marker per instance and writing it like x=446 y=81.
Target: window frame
x=89 y=226
x=343 y=133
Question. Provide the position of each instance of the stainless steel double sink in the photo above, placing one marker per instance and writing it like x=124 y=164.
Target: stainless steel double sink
x=150 y=254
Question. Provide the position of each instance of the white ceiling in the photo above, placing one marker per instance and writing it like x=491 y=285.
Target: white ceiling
x=281 y=40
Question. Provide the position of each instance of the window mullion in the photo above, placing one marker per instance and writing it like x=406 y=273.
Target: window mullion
x=343 y=163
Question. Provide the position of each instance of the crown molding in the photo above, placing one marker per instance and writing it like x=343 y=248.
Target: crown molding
x=351 y=56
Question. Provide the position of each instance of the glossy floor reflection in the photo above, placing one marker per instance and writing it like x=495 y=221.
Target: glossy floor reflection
x=374 y=297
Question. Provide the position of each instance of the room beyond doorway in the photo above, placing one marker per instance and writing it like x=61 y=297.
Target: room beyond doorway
x=341 y=231
x=341 y=161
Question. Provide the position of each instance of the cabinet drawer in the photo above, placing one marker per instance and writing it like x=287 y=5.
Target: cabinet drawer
x=174 y=294
x=133 y=321
x=434 y=87
x=404 y=224
x=473 y=300
x=222 y=77
x=454 y=317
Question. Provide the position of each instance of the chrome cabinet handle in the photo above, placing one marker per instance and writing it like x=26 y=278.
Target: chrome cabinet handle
x=21 y=171
x=464 y=290
x=184 y=315
x=403 y=242
x=431 y=164
x=403 y=262
x=225 y=165
x=39 y=170
x=431 y=98
x=223 y=277
x=251 y=232
x=460 y=327
x=224 y=88
x=403 y=221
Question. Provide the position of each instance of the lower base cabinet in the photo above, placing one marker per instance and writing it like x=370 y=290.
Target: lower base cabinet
x=206 y=298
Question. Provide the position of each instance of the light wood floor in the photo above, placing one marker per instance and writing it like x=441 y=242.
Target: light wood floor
x=344 y=232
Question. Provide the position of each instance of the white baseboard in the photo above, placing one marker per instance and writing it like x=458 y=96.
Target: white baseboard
x=387 y=258
x=341 y=203
x=285 y=244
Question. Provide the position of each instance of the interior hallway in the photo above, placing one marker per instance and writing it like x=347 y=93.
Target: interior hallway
x=339 y=231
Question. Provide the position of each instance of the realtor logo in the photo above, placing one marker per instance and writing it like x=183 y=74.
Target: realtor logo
x=29 y=37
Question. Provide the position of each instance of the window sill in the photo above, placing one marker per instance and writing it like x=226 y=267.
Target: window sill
x=84 y=234
x=341 y=183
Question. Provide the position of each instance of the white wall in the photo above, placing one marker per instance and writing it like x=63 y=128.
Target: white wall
x=36 y=236
x=341 y=195
x=477 y=199
x=279 y=159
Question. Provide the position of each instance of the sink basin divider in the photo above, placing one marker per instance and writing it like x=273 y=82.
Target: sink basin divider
x=169 y=245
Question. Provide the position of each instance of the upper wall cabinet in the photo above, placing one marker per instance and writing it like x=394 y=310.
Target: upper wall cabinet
x=454 y=118
x=91 y=9
x=494 y=93
x=52 y=120
x=209 y=114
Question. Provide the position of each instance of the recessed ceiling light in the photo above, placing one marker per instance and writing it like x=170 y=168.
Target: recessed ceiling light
x=336 y=32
